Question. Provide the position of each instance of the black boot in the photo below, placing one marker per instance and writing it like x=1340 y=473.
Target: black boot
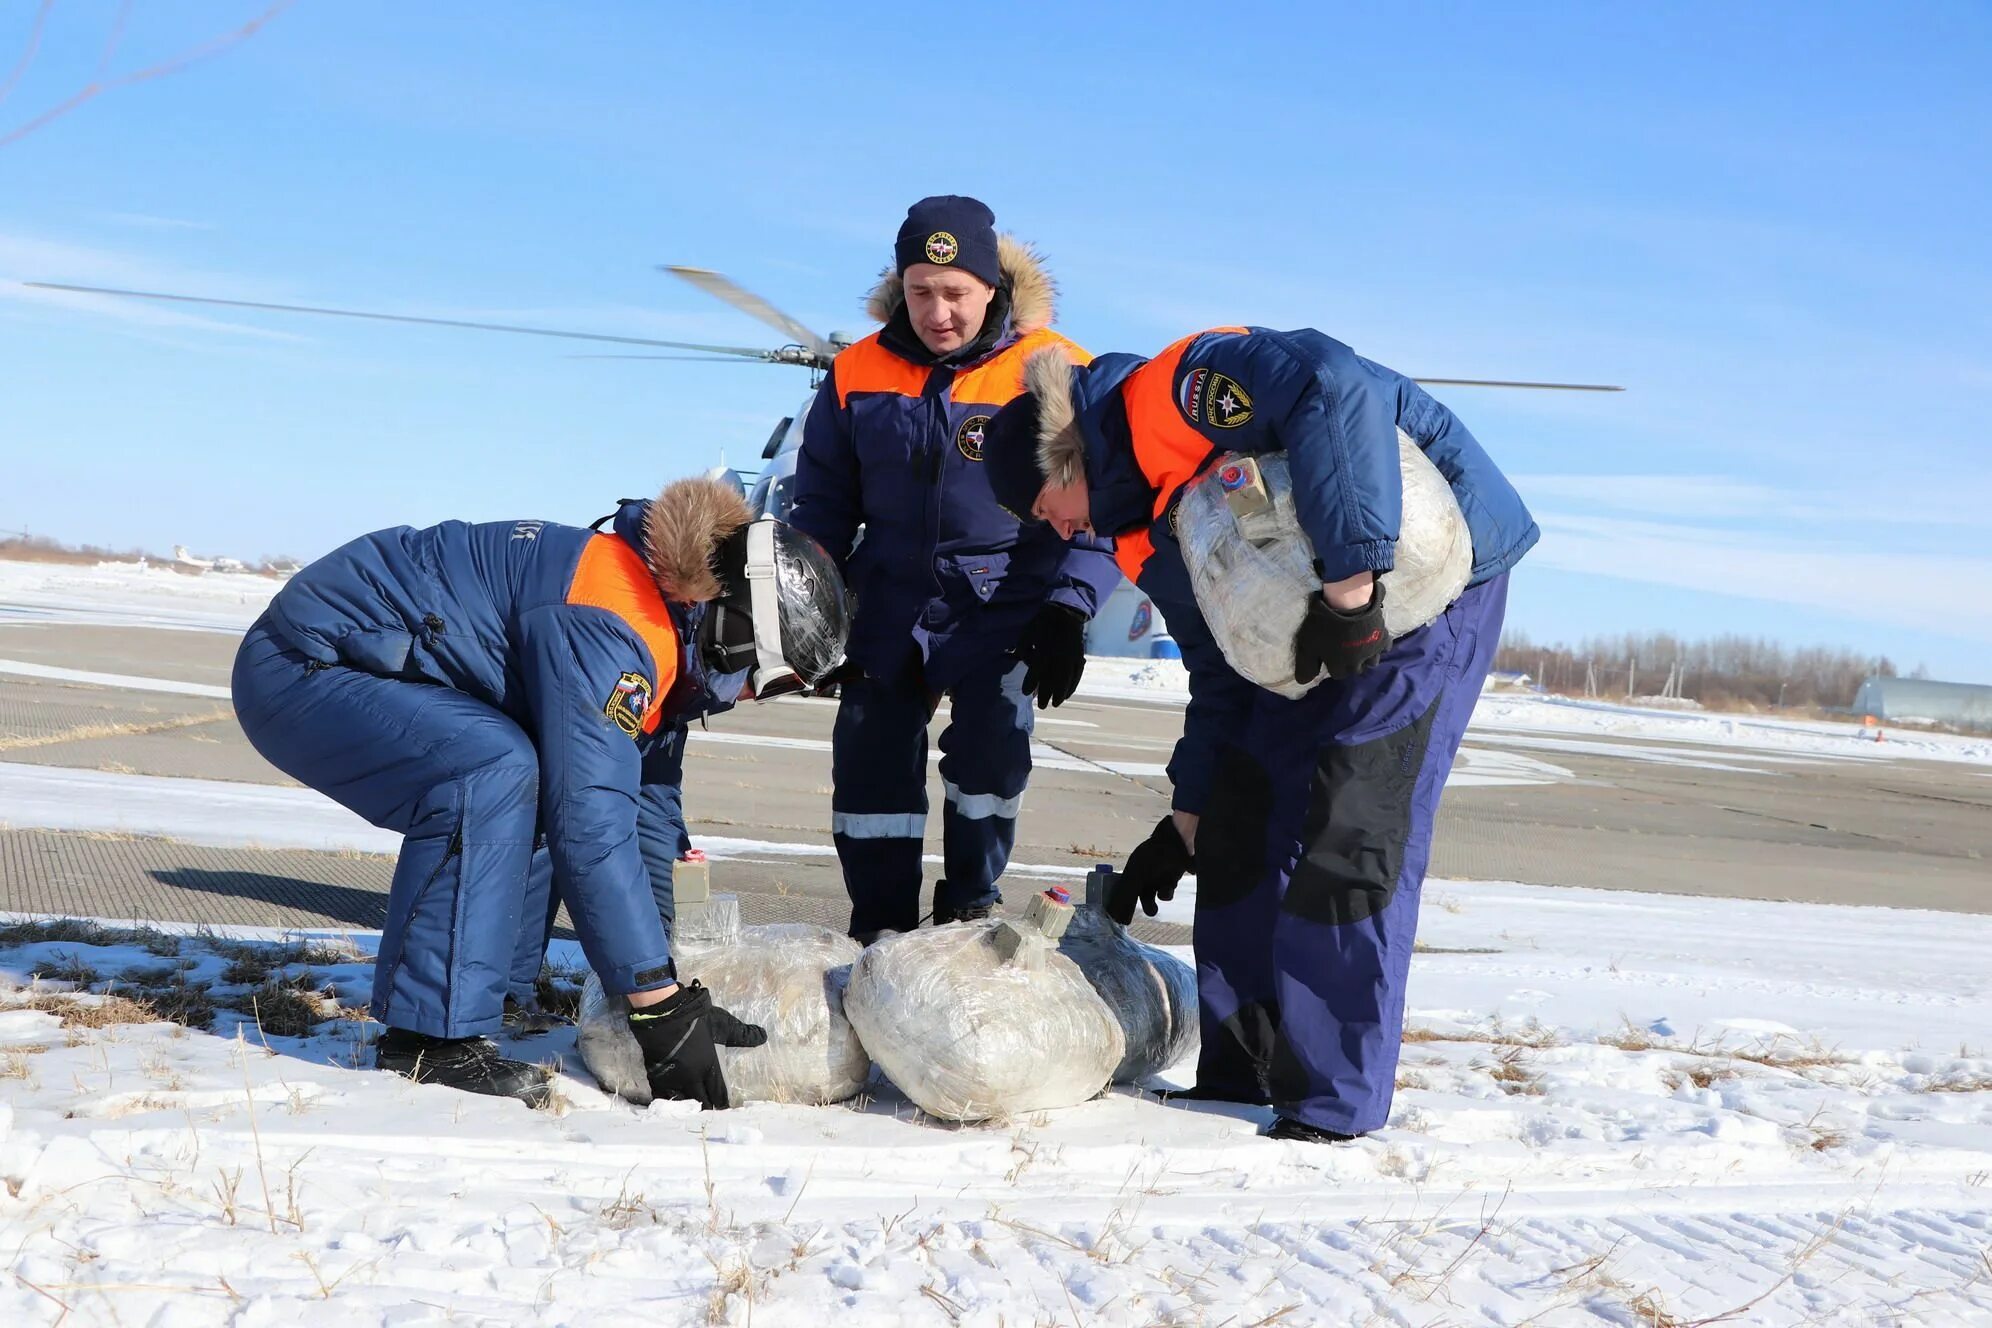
x=1251 y=1097
x=943 y=915
x=1300 y=1132
x=471 y=1064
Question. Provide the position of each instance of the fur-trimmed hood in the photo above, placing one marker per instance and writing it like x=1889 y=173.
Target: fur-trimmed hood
x=1033 y=294
x=1061 y=447
x=682 y=531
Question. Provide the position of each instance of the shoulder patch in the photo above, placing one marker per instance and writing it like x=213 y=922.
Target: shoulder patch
x=629 y=703
x=1207 y=397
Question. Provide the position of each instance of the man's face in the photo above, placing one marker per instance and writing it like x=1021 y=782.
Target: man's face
x=1067 y=508
x=947 y=305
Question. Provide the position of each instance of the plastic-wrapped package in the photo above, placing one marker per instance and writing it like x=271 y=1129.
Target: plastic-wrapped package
x=1254 y=573
x=982 y=1019
x=1153 y=995
x=787 y=977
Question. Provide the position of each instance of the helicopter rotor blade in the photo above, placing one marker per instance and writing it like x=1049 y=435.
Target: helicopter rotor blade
x=725 y=288
x=1501 y=382
x=743 y=352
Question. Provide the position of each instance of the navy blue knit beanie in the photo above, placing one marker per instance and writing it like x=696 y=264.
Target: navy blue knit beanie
x=950 y=230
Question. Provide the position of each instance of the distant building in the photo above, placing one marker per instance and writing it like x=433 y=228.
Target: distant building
x=1906 y=699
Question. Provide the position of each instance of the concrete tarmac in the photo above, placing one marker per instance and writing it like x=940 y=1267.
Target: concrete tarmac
x=1556 y=809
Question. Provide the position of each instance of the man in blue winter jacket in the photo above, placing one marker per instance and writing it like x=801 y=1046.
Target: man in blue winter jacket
x=1309 y=821
x=955 y=596
x=492 y=689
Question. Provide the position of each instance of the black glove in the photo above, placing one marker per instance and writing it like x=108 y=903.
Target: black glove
x=1153 y=869
x=1054 y=654
x=677 y=1037
x=1337 y=643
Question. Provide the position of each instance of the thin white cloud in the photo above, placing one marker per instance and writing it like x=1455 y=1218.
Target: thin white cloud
x=148 y=222
x=1935 y=593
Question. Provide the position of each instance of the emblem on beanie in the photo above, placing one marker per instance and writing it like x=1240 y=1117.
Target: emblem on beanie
x=942 y=248
x=628 y=703
x=968 y=438
x=1208 y=397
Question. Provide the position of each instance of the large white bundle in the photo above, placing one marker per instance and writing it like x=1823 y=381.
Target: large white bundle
x=787 y=977
x=1152 y=995
x=1253 y=575
x=968 y=1034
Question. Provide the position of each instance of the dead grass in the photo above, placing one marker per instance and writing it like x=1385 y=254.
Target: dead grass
x=1531 y=1034
x=1512 y=1070
x=65 y=967
x=281 y=1009
x=82 y=732
x=556 y=995
x=76 y=931
x=81 y=1010
x=1973 y=1081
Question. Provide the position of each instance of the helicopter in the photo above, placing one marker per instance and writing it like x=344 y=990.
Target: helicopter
x=1126 y=625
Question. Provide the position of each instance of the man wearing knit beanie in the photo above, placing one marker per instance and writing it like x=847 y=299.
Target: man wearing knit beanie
x=955 y=596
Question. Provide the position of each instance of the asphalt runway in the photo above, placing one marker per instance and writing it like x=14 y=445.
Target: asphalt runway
x=1555 y=809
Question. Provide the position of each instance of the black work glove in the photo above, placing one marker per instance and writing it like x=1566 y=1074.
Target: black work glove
x=1153 y=869
x=1337 y=643
x=1054 y=654
x=678 y=1037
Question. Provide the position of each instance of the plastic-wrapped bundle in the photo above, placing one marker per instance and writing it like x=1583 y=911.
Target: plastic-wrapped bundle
x=1254 y=574
x=1153 y=995
x=981 y=1019
x=787 y=977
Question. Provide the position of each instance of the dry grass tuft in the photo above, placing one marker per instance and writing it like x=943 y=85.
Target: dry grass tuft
x=65 y=968
x=81 y=1010
x=1513 y=1072
x=282 y=1010
x=1532 y=1034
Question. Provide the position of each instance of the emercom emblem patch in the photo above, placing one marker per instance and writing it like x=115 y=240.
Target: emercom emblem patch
x=1208 y=397
x=968 y=438
x=629 y=703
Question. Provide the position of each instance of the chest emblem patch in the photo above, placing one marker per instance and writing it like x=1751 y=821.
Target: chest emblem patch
x=968 y=438
x=628 y=703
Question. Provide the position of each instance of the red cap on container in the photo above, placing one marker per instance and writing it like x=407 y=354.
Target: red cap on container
x=693 y=855
x=1060 y=894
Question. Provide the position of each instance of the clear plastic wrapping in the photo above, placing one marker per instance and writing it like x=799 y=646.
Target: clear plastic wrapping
x=1254 y=574
x=968 y=1034
x=1152 y=995
x=787 y=977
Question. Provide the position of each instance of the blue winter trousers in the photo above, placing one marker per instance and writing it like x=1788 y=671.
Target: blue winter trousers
x=460 y=780
x=1311 y=858
x=878 y=799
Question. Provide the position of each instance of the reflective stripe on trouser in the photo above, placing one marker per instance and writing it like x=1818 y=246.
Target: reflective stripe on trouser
x=985 y=764
x=1312 y=852
x=879 y=803
x=453 y=775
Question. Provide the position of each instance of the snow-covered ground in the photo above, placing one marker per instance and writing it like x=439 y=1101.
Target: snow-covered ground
x=1613 y=1109
x=132 y=594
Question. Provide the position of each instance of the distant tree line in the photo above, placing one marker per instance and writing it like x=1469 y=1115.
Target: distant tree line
x=1719 y=672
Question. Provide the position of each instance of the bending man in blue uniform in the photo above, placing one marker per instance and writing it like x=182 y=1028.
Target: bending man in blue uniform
x=954 y=596
x=1308 y=822
x=485 y=687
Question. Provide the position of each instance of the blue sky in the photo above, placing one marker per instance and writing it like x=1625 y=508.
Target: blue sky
x=1768 y=221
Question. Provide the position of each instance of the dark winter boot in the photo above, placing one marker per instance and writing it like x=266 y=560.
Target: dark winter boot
x=943 y=915
x=471 y=1064
x=1300 y=1132
x=1251 y=1097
